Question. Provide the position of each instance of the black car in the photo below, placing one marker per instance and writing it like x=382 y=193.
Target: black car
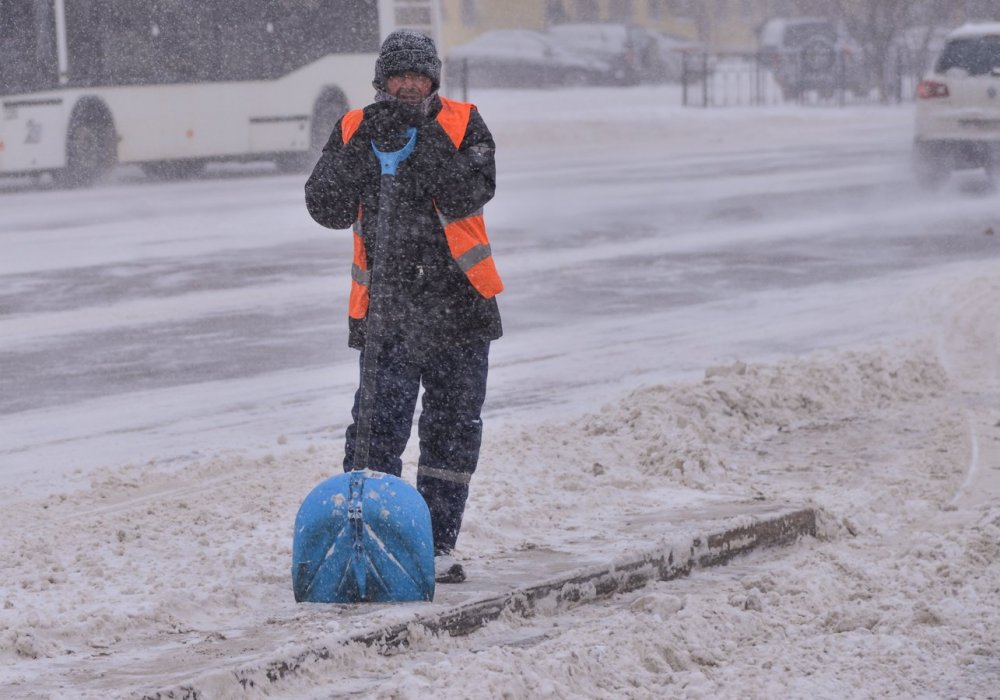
x=812 y=54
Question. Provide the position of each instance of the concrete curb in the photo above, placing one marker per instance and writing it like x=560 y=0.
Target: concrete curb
x=667 y=561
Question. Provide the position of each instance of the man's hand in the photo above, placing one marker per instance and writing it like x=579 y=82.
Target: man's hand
x=386 y=122
x=434 y=159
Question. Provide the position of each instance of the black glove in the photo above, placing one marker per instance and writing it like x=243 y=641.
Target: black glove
x=386 y=123
x=356 y=152
x=434 y=160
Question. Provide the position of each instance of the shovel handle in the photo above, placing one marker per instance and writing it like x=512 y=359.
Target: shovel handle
x=390 y=160
x=373 y=335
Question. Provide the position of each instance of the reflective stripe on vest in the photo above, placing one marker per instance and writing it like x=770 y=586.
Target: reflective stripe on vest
x=362 y=277
x=467 y=239
x=357 y=306
x=470 y=248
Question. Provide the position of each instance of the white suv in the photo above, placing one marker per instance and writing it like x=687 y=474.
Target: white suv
x=958 y=107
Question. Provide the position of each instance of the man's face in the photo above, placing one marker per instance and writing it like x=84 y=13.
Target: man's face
x=410 y=88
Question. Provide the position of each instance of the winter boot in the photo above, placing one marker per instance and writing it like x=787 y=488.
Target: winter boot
x=447 y=569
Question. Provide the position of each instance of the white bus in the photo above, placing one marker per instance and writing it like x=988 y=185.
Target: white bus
x=171 y=85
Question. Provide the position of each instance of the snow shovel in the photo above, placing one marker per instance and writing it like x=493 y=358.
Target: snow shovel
x=365 y=536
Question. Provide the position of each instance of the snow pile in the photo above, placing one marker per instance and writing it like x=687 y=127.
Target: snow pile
x=898 y=600
x=857 y=618
x=682 y=432
x=142 y=555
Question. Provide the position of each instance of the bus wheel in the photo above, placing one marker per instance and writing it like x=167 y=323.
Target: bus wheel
x=330 y=107
x=173 y=169
x=90 y=150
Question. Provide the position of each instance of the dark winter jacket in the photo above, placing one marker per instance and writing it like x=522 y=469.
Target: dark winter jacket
x=432 y=301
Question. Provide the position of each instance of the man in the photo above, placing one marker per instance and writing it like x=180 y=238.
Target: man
x=438 y=278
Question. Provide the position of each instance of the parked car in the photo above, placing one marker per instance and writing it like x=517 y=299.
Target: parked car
x=958 y=107
x=812 y=53
x=629 y=54
x=519 y=58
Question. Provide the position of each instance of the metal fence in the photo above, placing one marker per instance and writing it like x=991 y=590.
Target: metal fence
x=749 y=79
x=737 y=79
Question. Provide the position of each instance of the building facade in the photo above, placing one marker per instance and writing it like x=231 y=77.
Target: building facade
x=722 y=25
x=464 y=19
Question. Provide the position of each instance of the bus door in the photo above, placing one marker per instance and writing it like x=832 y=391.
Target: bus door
x=279 y=117
x=31 y=124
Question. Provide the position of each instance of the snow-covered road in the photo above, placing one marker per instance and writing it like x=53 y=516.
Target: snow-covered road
x=164 y=340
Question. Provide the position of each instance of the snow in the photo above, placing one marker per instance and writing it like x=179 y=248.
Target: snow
x=702 y=307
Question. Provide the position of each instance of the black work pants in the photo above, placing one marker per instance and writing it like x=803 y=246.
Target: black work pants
x=450 y=427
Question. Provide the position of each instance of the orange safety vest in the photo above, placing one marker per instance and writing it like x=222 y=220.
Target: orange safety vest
x=467 y=239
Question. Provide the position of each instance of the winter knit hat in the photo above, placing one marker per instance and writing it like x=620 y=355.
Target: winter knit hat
x=407 y=51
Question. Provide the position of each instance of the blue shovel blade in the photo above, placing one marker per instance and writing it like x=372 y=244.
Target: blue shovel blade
x=363 y=536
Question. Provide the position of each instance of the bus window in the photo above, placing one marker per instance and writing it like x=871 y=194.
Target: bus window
x=305 y=31
x=17 y=19
x=27 y=46
x=268 y=40
x=353 y=29
x=143 y=42
x=83 y=44
x=184 y=43
x=127 y=37
x=242 y=40
x=172 y=41
x=289 y=37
